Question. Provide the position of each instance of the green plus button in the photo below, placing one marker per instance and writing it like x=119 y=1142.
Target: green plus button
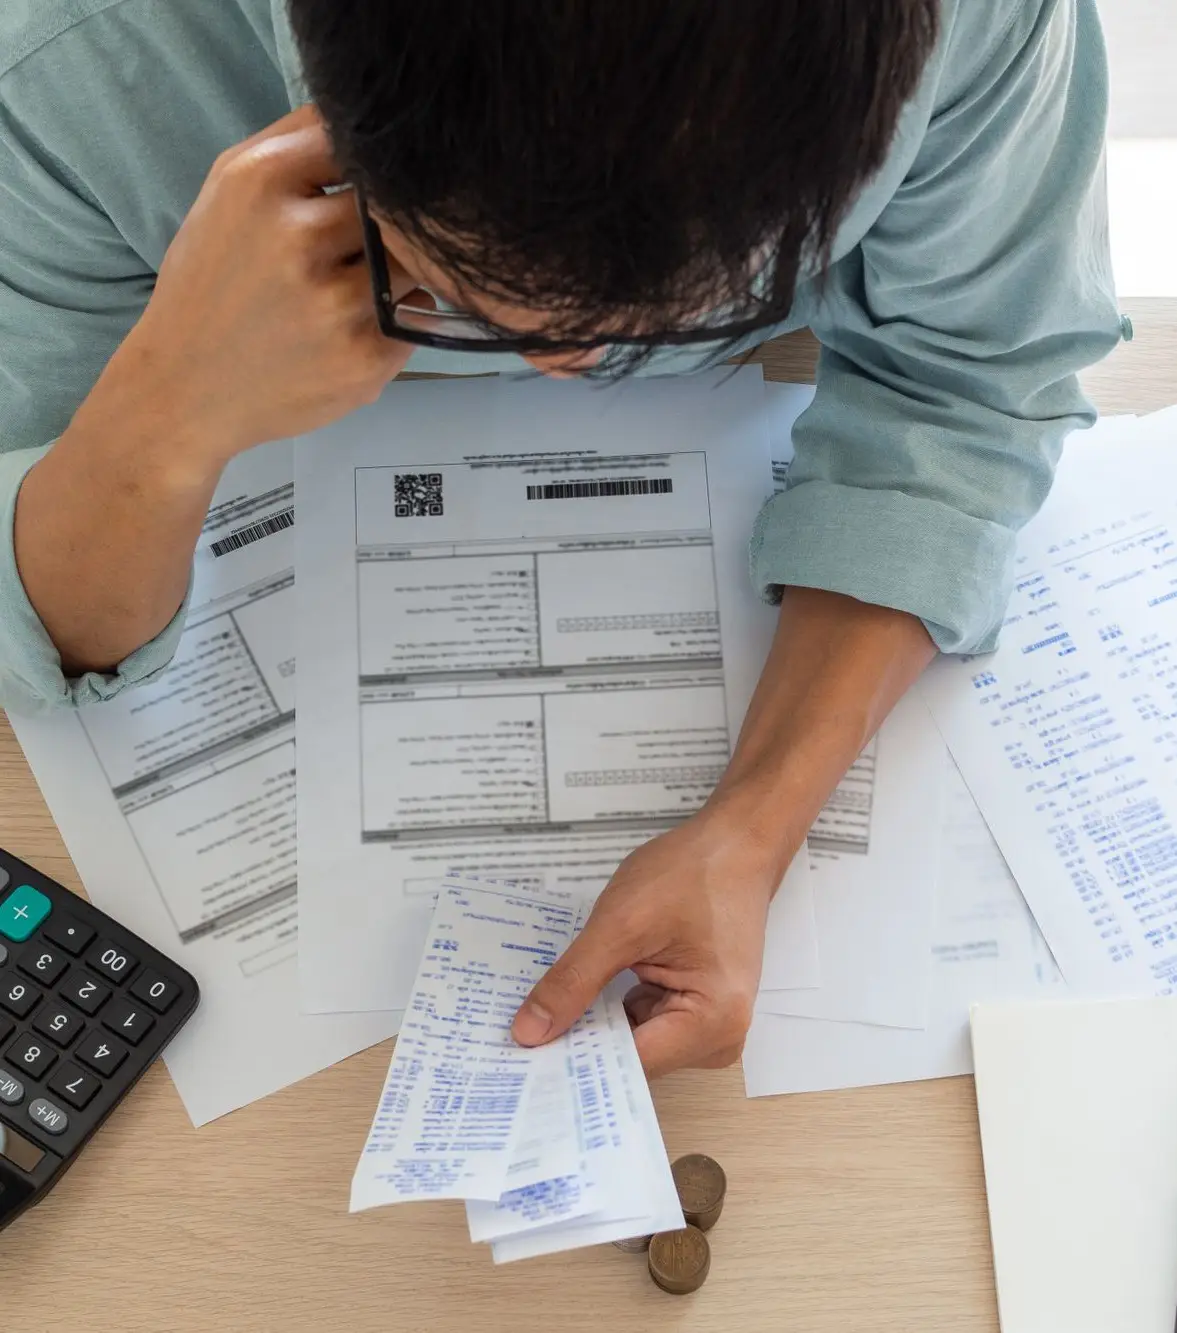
x=23 y=911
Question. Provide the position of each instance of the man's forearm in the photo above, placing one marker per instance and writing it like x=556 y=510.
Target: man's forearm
x=107 y=521
x=836 y=669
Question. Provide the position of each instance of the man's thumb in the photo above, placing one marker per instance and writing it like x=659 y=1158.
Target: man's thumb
x=568 y=987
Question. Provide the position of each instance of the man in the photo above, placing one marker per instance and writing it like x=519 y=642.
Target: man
x=587 y=183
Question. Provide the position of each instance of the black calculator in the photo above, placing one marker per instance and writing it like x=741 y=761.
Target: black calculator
x=85 y=1008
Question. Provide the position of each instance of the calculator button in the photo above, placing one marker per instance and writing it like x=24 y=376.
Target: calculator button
x=17 y=995
x=111 y=960
x=87 y=992
x=43 y=963
x=70 y=934
x=102 y=1053
x=128 y=1020
x=155 y=990
x=12 y=1090
x=3 y=953
x=73 y=1086
x=59 y=1024
x=22 y=912
x=52 y=1119
x=31 y=1055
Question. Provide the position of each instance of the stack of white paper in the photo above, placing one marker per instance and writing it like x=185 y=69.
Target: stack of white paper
x=552 y=1148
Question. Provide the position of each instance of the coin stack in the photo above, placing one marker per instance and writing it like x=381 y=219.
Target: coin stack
x=679 y=1261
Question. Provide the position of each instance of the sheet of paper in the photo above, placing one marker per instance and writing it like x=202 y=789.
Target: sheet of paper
x=874 y=855
x=1077 y=1104
x=1066 y=734
x=451 y=1114
x=785 y=403
x=510 y=653
x=986 y=947
x=176 y=802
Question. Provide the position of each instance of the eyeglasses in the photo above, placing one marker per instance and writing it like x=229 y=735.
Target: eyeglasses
x=459 y=331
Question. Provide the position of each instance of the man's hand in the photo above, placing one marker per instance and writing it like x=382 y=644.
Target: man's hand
x=262 y=323
x=686 y=912
x=261 y=326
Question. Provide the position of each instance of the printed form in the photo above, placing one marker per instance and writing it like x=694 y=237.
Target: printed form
x=510 y=652
x=177 y=803
x=554 y=1147
x=1067 y=735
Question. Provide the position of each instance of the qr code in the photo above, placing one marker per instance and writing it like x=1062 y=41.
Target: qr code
x=418 y=495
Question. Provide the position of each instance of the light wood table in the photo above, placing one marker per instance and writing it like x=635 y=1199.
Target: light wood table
x=846 y=1211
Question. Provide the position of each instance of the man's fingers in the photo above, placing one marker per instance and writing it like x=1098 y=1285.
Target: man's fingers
x=295 y=150
x=671 y=1039
x=570 y=985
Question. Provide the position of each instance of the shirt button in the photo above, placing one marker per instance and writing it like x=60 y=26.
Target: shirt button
x=1127 y=332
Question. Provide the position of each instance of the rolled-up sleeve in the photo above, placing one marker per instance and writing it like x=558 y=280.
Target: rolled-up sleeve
x=951 y=338
x=70 y=288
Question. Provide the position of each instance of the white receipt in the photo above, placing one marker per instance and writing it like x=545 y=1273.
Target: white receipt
x=1066 y=734
x=553 y=1147
x=176 y=801
x=451 y=1112
x=510 y=606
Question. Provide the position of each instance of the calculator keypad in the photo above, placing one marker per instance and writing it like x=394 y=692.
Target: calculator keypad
x=85 y=1007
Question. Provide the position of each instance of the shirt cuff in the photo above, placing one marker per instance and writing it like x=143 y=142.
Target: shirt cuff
x=31 y=678
x=887 y=548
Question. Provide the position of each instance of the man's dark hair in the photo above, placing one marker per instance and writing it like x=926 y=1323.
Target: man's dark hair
x=613 y=163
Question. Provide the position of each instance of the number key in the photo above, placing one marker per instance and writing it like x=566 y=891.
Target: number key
x=155 y=990
x=43 y=963
x=30 y=1055
x=82 y=989
x=111 y=960
x=128 y=1020
x=102 y=1053
x=58 y=1023
x=74 y=1086
x=72 y=935
x=17 y=996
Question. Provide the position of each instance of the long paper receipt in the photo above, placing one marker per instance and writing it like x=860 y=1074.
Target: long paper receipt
x=552 y=1148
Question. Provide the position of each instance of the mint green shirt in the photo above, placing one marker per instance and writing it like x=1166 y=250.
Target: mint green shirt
x=971 y=281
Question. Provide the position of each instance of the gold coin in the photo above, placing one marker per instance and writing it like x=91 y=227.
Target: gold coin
x=702 y=1187
x=680 y=1260
x=634 y=1244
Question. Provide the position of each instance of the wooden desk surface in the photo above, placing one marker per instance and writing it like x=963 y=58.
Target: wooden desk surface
x=849 y=1211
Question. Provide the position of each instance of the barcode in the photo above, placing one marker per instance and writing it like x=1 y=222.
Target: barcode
x=587 y=490
x=254 y=533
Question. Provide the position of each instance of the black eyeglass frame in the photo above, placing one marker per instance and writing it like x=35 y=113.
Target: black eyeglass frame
x=520 y=344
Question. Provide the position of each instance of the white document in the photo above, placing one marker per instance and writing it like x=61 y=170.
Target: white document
x=176 y=802
x=785 y=403
x=874 y=858
x=1078 y=1103
x=987 y=947
x=510 y=650
x=1065 y=734
x=451 y=1113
